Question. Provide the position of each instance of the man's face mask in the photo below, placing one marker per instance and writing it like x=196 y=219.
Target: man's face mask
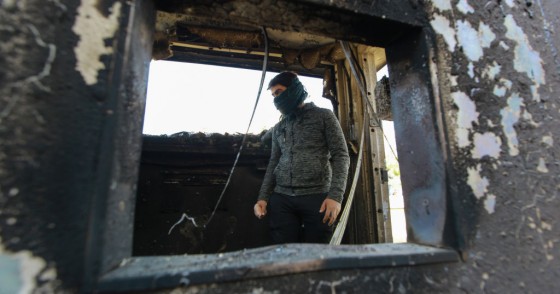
x=287 y=101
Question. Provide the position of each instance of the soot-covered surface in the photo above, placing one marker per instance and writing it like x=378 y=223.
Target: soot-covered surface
x=182 y=177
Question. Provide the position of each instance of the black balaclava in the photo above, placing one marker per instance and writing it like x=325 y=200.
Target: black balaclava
x=288 y=102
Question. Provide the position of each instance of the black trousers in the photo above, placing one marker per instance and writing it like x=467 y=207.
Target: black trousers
x=296 y=219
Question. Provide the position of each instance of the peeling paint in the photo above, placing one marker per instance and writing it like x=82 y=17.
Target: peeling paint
x=442 y=4
x=485 y=35
x=542 y=166
x=467 y=109
x=462 y=136
x=547 y=227
x=19 y=271
x=548 y=140
x=477 y=183
x=468 y=39
x=471 y=70
x=510 y=116
x=526 y=59
x=504 y=45
x=48 y=274
x=466 y=116
x=499 y=91
x=93 y=28
x=535 y=93
x=507 y=83
x=464 y=7
x=443 y=27
x=474 y=41
x=490 y=203
x=529 y=117
x=487 y=144
x=479 y=130
x=492 y=71
x=453 y=80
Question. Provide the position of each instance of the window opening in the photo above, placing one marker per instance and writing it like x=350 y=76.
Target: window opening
x=190 y=97
x=189 y=86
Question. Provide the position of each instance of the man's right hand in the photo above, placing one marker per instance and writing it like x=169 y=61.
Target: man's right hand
x=260 y=209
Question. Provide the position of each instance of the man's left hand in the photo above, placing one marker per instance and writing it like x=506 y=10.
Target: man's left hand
x=331 y=209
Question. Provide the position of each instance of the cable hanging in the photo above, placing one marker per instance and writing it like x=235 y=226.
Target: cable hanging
x=263 y=75
x=369 y=110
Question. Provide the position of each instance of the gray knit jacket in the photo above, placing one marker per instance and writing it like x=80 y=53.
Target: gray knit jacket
x=309 y=156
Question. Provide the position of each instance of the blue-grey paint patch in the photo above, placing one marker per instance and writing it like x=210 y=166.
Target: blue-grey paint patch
x=442 y=26
x=510 y=116
x=468 y=39
x=499 y=91
x=464 y=7
x=490 y=203
x=526 y=59
x=466 y=116
x=21 y=270
x=477 y=183
x=10 y=280
x=535 y=93
x=491 y=71
x=471 y=70
x=485 y=35
x=487 y=144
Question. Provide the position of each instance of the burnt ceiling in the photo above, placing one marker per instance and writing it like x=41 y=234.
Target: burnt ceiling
x=189 y=36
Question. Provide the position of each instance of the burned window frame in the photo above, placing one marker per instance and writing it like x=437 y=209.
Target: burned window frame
x=418 y=118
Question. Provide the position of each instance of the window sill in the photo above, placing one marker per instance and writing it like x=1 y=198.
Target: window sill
x=159 y=272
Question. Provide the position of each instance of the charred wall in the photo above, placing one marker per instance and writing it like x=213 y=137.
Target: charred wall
x=495 y=72
x=68 y=108
x=185 y=174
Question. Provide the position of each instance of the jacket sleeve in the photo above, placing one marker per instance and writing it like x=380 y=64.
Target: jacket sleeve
x=269 y=181
x=340 y=160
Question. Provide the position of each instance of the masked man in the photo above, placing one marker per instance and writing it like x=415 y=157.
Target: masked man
x=306 y=175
